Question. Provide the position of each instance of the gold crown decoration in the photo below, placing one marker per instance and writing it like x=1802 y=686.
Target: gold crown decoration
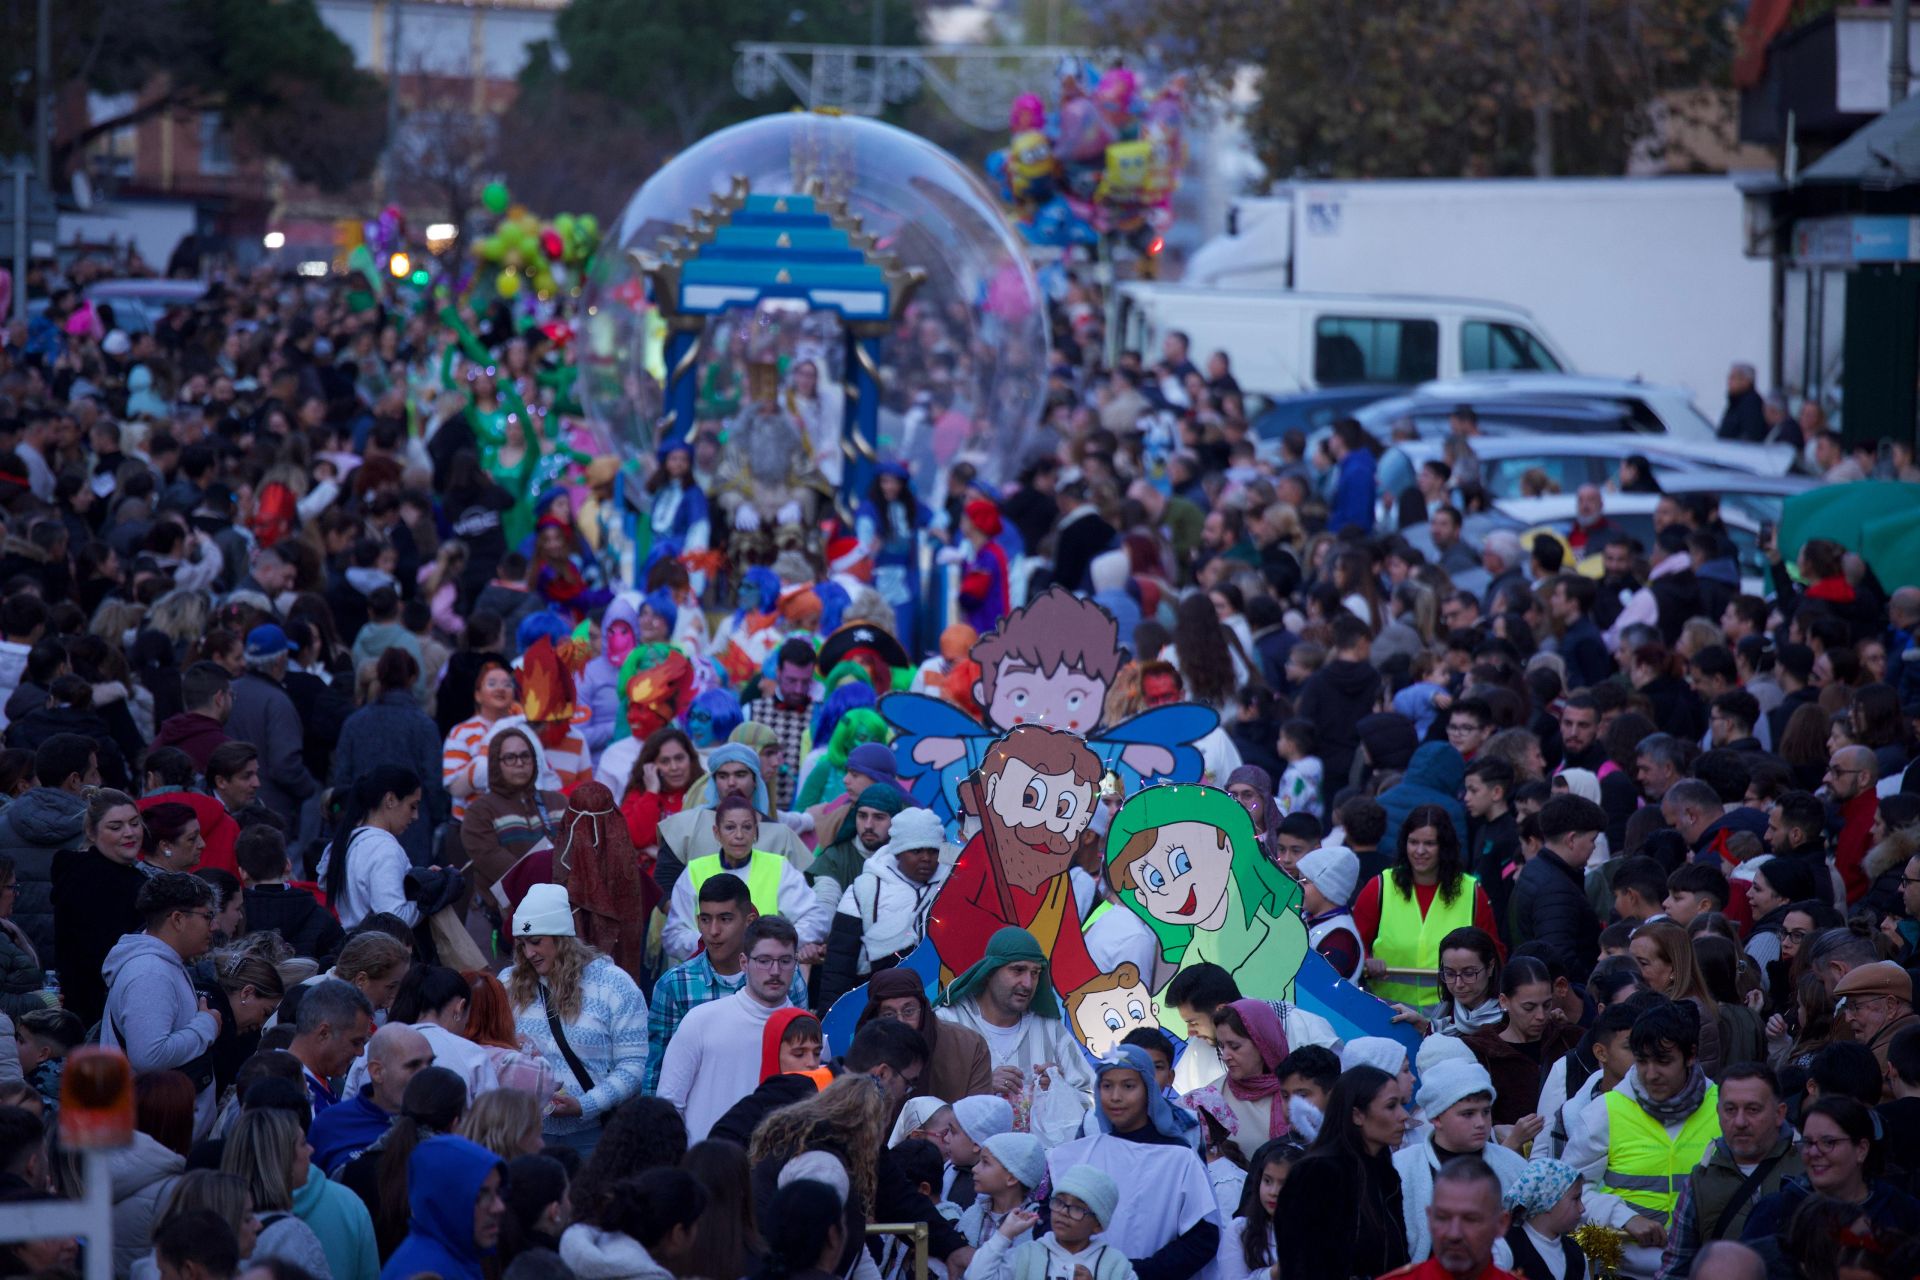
x=763 y=381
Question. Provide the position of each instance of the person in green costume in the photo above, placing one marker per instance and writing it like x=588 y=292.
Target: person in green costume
x=1185 y=860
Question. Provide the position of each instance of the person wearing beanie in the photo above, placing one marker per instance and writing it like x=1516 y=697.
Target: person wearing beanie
x=983 y=582
x=868 y=764
x=1328 y=877
x=883 y=914
x=1011 y=1167
x=1081 y=1211
x=857 y=831
x=975 y=1120
x=1457 y=1098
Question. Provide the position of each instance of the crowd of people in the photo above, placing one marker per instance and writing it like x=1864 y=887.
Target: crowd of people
x=465 y=841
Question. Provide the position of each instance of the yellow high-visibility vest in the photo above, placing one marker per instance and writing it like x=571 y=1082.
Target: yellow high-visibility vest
x=1409 y=941
x=1645 y=1167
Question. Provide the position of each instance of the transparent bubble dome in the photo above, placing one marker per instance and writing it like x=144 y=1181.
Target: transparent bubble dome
x=963 y=367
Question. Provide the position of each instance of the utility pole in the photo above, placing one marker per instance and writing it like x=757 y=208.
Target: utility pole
x=43 y=95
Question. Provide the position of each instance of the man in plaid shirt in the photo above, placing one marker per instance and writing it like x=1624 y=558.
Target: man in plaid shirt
x=726 y=909
x=788 y=712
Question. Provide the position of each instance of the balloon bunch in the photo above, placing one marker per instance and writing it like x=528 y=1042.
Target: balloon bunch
x=1106 y=163
x=526 y=251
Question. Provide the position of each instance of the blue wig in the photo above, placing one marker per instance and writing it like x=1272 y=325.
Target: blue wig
x=662 y=606
x=719 y=709
x=834 y=601
x=546 y=623
x=854 y=693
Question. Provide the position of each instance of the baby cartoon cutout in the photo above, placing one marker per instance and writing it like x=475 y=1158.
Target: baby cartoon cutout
x=1184 y=859
x=1102 y=1012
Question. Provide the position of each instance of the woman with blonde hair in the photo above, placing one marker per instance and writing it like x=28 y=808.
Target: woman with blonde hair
x=180 y=616
x=269 y=1154
x=847 y=1119
x=1664 y=952
x=375 y=963
x=225 y=1194
x=581 y=1012
x=505 y=1122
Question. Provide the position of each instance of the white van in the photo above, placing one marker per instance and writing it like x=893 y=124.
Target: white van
x=1283 y=341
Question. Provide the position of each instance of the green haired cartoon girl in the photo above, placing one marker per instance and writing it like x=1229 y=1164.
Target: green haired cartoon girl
x=1185 y=860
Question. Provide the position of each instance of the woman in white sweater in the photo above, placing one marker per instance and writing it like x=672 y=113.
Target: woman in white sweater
x=582 y=1014
x=365 y=868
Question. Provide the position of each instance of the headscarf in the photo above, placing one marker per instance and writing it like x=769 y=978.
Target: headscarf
x=1270 y=1038
x=755 y=734
x=1261 y=781
x=594 y=858
x=735 y=753
x=1006 y=947
x=1538 y=1187
x=1167 y=1119
x=770 y=1035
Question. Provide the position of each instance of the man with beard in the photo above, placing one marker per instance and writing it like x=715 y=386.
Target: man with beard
x=787 y=711
x=1617 y=581
x=1008 y=998
x=1034 y=796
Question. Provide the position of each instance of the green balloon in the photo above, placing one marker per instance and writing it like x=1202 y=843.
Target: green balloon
x=589 y=225
x=563 y=223
x=494 y=196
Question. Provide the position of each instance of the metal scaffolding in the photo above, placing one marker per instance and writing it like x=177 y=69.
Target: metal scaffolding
x=976 y=82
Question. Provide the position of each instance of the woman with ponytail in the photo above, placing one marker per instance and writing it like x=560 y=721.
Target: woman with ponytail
x=432 y=1105
x=364 y=869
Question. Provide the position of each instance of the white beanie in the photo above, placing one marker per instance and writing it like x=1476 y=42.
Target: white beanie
x=914 y=829
x=1021 y=1155
x=544 y=913
x=1449 y=1082
x=816 y=1166
x=1435 y=1050
x=982 y=1115
x=1374 y=1051
x=1335 y=872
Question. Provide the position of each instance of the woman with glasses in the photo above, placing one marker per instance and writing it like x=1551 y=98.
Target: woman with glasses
x=511 y=816
x=581 y=1012
x=1469 y=984
x=1844 y=1159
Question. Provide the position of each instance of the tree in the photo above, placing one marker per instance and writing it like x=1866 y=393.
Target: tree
x=1377 y=88
x=278 y=77
x=668 y=64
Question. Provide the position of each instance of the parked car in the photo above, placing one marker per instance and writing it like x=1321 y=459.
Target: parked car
x=1645 y=408
x=1570 y=461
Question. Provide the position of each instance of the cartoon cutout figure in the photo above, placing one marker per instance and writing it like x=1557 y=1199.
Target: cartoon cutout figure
x=1103 y=1012
x=1050 y=663
x=1034 y=795
x=1184 y=859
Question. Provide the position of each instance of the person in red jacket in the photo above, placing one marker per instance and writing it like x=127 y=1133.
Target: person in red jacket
x=169 y=780
x=1034 y=796
x=1852 y=773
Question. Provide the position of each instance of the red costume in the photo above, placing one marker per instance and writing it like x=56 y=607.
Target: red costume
x=968 y=914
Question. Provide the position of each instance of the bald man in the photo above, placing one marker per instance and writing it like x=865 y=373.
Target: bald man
x=1851 y=775
x=394 y=1055
x=1728 y=1260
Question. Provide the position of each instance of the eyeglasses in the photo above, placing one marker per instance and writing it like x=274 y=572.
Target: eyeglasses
x=1463 y=975
x=208 y=916
x=1903 y=880
x=516 y=757
x=771 y=962
x=1071 y=1212
x=1795 y=935
x=1825 y=1146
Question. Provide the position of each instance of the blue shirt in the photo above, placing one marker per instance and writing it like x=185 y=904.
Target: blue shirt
x=345 y=1129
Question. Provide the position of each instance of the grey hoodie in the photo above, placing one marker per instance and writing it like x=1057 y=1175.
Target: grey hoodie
x=154 y=1014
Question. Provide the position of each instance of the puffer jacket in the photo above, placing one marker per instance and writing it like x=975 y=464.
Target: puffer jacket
x=879 y=915
x=1550 y=905
x=23 y=980
x=1434 y=776
x=593 y=1254
x=34 y=828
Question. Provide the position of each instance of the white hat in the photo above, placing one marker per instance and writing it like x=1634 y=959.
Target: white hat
x=1449 y=1083
x=1021 y=1155
x=1435 y=1050
x=914 y=829
x=816 y=1166
x=981 y=1115
x=116 y=343
x=1335 y=872
x=544 y=913
x=1374 y=1051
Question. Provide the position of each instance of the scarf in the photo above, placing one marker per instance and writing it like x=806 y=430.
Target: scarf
x=1270 y=1038
x=1676 y=1109
x=1162 y=1116
x=1488 y=1014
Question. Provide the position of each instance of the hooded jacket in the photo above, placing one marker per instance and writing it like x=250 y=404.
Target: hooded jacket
x=444 y=1176
x=1434 y=776
x=600 y=680
x=34 y=828
x=1337 y=697
x=193 y=733
x=154 y=1015
x=502 y=825
x=880 y=914
x=142 y=1174
x=593 y=1254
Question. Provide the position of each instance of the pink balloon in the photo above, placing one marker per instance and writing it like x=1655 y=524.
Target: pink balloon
x=1084 y=135
x=1007 y=296
x=1029 y=112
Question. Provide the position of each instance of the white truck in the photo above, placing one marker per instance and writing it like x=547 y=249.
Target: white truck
x=1630 y=277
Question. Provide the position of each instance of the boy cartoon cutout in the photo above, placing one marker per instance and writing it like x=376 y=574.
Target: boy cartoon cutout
x=1105 y=1010
x=1050 y=663
x=1034 y=795
x=1184 y=859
